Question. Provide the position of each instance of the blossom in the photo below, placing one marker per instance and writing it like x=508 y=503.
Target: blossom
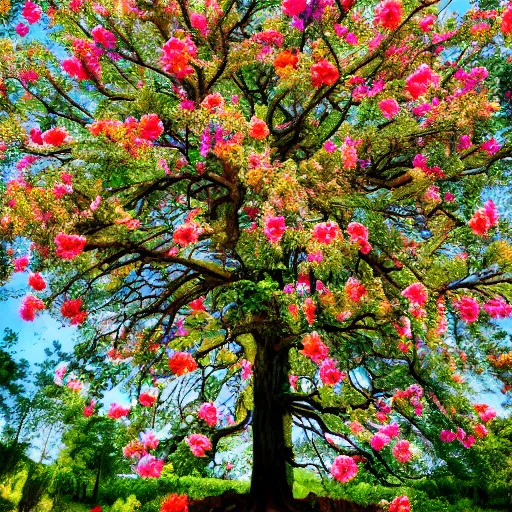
x=490 y=146
x=498 y=308
x=149 y=467
x=292 y=379
x=150 y=127
x=149 y=440
x=309 y=310
x=389 y=108
x=324 y=73
x=199 y=22
x=22 y=29
x=354 y=290
x=147 y=399
x=388 y=14
x=212 y=102
x=59 y=374
x=329 y=374
x=176 y=57
x=481 y=431
x=344 y=468
x=208 y=413
x=419 y=81
x=356 y=427
x=400 y=504
x=258 y=129
x=104 y=37
x=246 y=369
x=21 y=264
x=29 y=307
x=187 y=234
x=379 y=440
x=404 y=328
x=468 y=309
x=402 y=451
x=391 y=430
x=31 y=12
x=286 y=59
x=74 y=68
x=447 y=436
x=197 y=305
x=198 y=444
x=314 y=348
x=359 y=234
x=484 y=218
x=181 y=363
x=72 y=309
x=55 y=136
x=97 y=508
x=294 y=7
x=427 y=22
x=175 y=503
x=485 y=412
x=506 y=20
x=117 y=411
x=89 y=409
x=325 y=232
x=416 y=293
x=69 y=246
x=274 y=228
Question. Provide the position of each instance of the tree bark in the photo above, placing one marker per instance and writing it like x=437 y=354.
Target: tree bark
x=272 y=477
x=97 y=481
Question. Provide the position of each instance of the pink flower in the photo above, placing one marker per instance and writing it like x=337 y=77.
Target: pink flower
x=89 y=409
x=400 y=504
x=359 y=234
x=464 y=143
x=330 y=147
x=418 y=82
x=69 y=246
x=246 y=369
x=325 y=232
x=292 y=379
x=427 y=22
x=21 y=264
x=484 y=218
x=22 y=29
x=388 y=14
x=274 y=228
x=449 y=197
x=31 y=12
x=468 y=308
x=150 y=467
x=354 y=290
x=391 y=430
x=104 y=37
x=29 y=307
x=402 y=451
x=176 y=57
x=95 y=204
x=324 y=73
x=74 y=68
x=117 y=411
x=389 y=108
x=356 y=427
x=329 y=374
x=229 y=466
x=198 y=444
x=404 y=328
x=498 y=308
x=447 y=436
x=199 y=22
x=314 y=348
x=59 y=374
x=344 y=468
x=485 y=412
x=468 y=442
x=294 y=7
x=379 y=440
x=491 y=146
x=208 y=413
x=187 y=234
x=149 y=440
x=416 y=293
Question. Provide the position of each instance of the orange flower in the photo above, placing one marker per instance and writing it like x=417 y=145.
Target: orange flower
x=258 y=129
x=286 y=59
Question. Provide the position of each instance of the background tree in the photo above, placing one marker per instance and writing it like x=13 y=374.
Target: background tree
x=276 y=208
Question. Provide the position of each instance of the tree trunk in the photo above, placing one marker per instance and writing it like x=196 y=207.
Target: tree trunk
x=272 y=477
x=97 y=481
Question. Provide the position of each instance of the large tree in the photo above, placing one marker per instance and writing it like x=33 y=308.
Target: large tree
x=277 y=208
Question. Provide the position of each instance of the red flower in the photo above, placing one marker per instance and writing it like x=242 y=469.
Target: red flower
x=274 y=228
x=147 y=400
x=329 y=374
x=29 y=307
x=324 y=73
x=181 y=363
x=197 y=305
x=150 y=127
x=175 y=503
x=21 y=264
x=55 y=136
x=468 y=308
x=31 y=12
x=389 y=14
x=294 y=7
x=400 y=504
x=484 y=219
x=35 y=136
x=389 y=108
x=187 y=234
x=72 y=309
x=36 y=282
x=314 y=348
x=117 y=411
x=69 y=246
x=176 y=56
x=354 y=290
x=418 y=82
x=97 y=508
x=258 y=129
x=74 y=68
x=506 y=20
x=325 y=232
x=309 y=310
x=104 y=37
